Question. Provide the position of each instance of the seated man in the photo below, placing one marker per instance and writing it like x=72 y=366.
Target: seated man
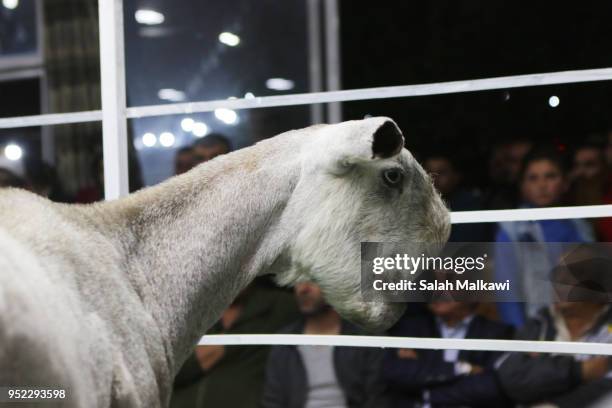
x=448 y=179
x=562 y=380
x=440 y=378
x=321 y=376
x=209 y=147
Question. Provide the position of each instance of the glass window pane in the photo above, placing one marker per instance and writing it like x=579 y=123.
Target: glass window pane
x=193 y=50
x=67 y=67
x=58 y=162
x=63 y=162
x=160 y=140
x=18 y=29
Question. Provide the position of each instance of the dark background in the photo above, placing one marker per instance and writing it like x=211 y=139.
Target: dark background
x=398 y=43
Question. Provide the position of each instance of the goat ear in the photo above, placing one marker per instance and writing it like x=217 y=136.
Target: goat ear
x=360 y=141
x=387 y=141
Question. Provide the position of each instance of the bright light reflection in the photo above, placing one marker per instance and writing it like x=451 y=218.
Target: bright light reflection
x=229 y=39
x=166 y=139
x=279 y=84
x=13 y=152
x=149 y=139
x=187 y=124
x=172 y=95
x=10 y=4
x=227 y=116
x=554 y=101
x=149 y=17
x=200 y=129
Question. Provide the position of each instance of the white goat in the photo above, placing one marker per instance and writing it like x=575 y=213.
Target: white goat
x=107 y=300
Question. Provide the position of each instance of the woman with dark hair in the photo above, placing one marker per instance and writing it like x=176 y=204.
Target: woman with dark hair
x=542 y=183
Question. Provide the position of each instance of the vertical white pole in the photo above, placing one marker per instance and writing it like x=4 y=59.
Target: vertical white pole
x=332 y=34
x=47 y=140
x=114 y=125
x=315 y=59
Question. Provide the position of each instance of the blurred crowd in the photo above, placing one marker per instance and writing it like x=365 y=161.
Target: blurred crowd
x=521 y=175
x=326 y=376
x=41 y=178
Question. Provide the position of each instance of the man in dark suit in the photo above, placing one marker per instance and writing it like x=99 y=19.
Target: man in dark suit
x=441 y=378
x=322 y=376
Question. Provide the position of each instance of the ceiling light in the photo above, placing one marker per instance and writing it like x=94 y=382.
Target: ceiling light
x=229 y=39
x=166 y=139
x=226 y=116
x=149 y=17
x=554 y=101
x=187 y=124
x=10 y=4
x=173 y=95
x=279 y=84
x=149 y=139
x=200 y=129
x=13 y=152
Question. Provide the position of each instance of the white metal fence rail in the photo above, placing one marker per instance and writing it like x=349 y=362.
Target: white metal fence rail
x=409 y=342
x=385 y=92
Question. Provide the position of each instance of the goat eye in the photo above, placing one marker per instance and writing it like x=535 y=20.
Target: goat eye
x=392 y=177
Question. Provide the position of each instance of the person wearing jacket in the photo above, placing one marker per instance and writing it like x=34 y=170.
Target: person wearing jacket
x=322 y=376
x=522 y=256
x=445 y=378
x=566 y=381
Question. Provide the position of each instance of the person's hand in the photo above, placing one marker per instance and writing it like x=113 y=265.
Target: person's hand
x=208 y=356
x=407 y=353
x=476 y=369
x=595 y=368
x=230 y=315
x=465 y=368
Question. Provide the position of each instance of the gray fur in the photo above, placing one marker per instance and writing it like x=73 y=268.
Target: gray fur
x=107 y=300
